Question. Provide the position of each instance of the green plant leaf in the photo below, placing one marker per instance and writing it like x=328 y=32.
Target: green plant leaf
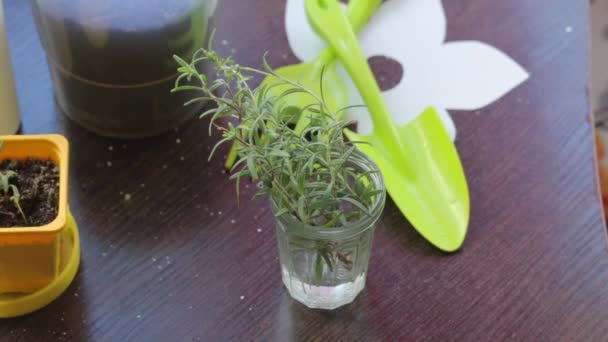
x=319 y=269
x=251 y=166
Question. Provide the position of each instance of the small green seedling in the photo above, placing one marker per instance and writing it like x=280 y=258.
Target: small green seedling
x=16 y=197
x=8 y=188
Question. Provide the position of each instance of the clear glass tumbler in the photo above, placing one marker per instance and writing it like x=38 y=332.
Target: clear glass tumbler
x=111 y=61
x=325 y=268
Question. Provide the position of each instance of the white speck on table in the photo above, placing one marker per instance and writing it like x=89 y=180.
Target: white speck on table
x=109 y=163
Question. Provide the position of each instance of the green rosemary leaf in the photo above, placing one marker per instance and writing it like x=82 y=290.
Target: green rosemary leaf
x=238 y=185
x=368 y=196
x=186 y=87
x=214 y=149
x=319 y=269
x=278 y=153
x=300 y=207
x=251 y=166
x=328 y=259
x=281 y=211
x=184 y=65
x=266 y=65
x=356 y=203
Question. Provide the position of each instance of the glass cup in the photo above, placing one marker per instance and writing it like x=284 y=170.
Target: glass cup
x=325 y=268
x=111 y=60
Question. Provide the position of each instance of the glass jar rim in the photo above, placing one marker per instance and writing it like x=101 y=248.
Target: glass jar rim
x=295 y=226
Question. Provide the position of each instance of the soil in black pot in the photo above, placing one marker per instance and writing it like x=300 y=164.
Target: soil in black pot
x=38 y=183
x=112 y=64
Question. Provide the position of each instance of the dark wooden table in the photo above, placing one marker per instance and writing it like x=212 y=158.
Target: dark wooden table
x=180 y=261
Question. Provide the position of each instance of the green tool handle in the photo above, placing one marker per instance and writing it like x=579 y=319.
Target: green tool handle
x=328 y=19
x=359 y=12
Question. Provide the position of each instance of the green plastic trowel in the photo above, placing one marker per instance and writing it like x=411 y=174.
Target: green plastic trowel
x=309 y=74
x=421 y=167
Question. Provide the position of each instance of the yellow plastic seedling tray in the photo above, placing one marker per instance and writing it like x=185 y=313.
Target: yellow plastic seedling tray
x=18 y=304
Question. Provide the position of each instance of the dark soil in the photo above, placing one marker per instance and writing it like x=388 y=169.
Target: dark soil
x=38 y=183
x=121 y=43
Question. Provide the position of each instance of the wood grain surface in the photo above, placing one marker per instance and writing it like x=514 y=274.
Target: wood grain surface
x=180 y=261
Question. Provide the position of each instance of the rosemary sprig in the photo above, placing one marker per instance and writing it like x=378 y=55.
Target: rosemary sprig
x=309 y=175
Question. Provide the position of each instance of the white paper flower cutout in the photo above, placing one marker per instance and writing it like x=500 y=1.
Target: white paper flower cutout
x=464 y=75
x=211 y=5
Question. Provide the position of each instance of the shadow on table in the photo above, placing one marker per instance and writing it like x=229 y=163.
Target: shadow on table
x=295 y=322
x=396 y=227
